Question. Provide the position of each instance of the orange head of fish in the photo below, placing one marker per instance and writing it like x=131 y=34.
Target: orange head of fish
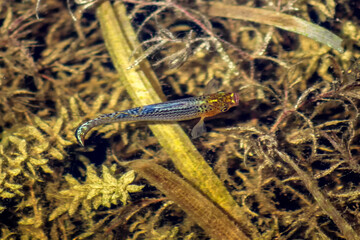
x=221 y=102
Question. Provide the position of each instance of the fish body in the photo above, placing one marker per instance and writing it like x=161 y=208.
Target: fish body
x=176 y=110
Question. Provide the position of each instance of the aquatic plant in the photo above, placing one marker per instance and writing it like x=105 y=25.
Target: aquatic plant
x=284 y=164
x=95 y=191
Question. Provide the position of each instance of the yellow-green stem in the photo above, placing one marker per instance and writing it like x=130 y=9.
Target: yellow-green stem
x=143 y=88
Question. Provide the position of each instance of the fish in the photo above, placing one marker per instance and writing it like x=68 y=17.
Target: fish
x=176 y=110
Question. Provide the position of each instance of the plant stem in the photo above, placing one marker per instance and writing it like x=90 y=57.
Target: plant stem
x=144 y=89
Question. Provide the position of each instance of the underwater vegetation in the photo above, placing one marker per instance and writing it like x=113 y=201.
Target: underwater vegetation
x=283 y=164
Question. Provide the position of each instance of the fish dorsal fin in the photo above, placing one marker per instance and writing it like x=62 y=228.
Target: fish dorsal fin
x=212 y=86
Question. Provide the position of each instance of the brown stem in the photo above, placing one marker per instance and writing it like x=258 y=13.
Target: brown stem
x=209 y=217
x=322 y=200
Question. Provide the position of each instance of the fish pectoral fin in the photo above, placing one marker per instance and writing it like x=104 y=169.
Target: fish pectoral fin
x=199 y=129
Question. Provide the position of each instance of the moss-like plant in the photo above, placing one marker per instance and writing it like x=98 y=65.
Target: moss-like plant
x=283 y=164
x=95 y=191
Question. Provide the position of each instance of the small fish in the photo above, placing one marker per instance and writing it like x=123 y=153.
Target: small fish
x=176 y=110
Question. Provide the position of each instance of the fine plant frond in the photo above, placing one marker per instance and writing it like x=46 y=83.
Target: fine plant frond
x=95 y=191
x=283 y=163
x=166 y=39
x=25 y=151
